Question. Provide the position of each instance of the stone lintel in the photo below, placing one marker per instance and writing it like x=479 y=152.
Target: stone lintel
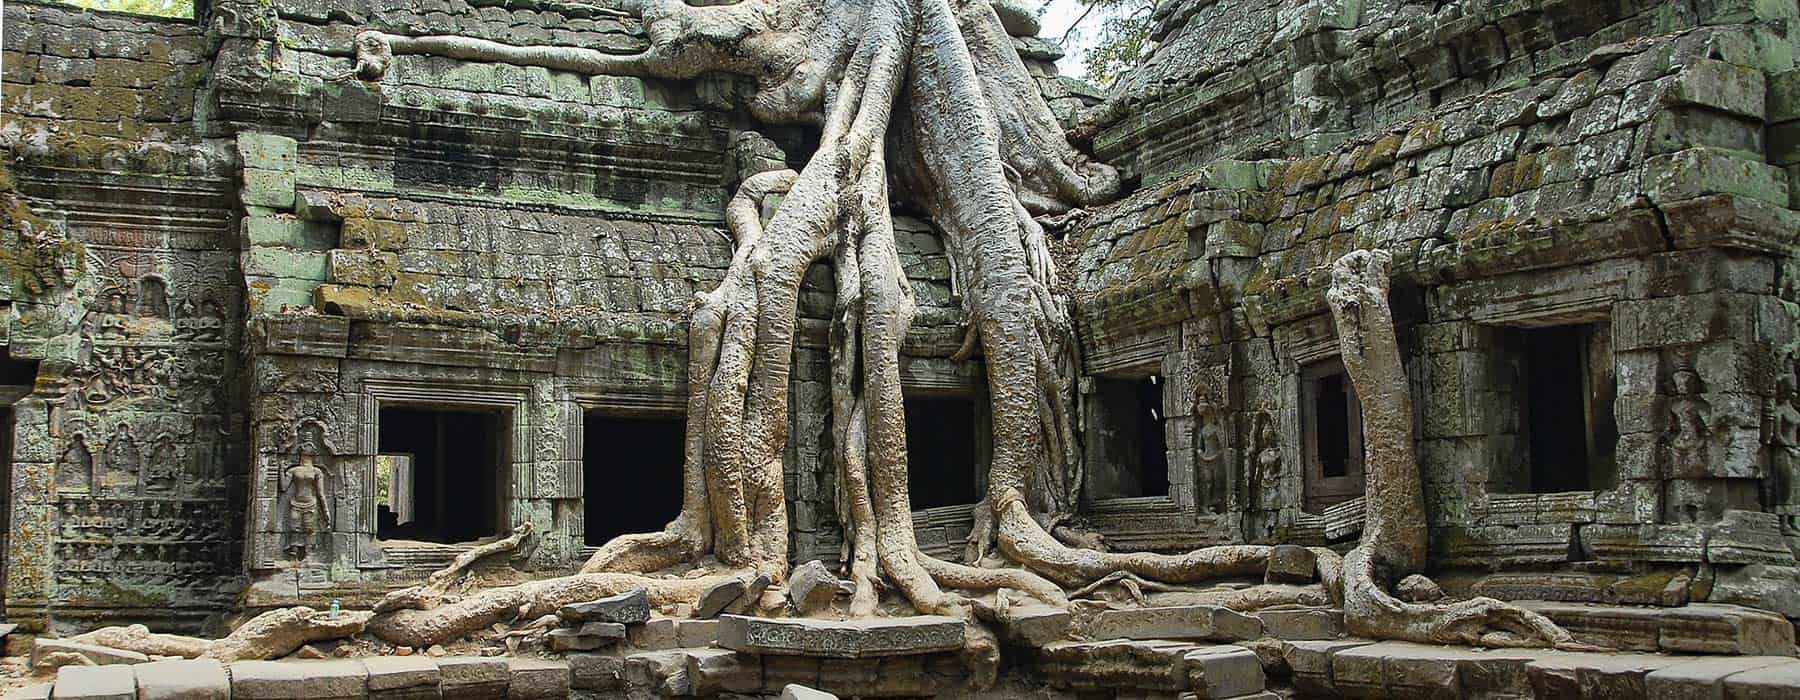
x=857 y=639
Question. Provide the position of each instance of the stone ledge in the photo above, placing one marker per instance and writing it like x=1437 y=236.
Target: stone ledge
x=891 y=636
x=1705 y=628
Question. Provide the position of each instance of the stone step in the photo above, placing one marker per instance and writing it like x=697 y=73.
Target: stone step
x=853 y=639
x=1202 y=671
x=1703 y=628
x=1356 y=668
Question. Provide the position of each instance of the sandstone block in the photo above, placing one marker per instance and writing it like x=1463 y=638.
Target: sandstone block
x=110 y=682
x=1036 y=625
x=1290 y=564
x=1711 y=628
x=1223 y=672
x=795 y=691
x=473 y=677
x=337 y=679
x=402 y=676
x=1176 y=622
x=721 y=596
x=595 y=671
x=1302 y=624
x=363 y=268
x=537 y=679
x=37 y=691
x=183 y=679
x=630 y=608
x=1773 y=682
x=1703 y=678
x=1567 y=675
x=848 y=639
x=696 y=633
x=712 y=671
x=265 y=680
x=812 y=587
x=267 y=188
x=267 y=151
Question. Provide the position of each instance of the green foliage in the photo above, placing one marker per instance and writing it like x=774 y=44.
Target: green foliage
x=158 y=8
x=1114 y=36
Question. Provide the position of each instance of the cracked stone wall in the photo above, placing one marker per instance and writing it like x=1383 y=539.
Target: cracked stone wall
x=1622 y=165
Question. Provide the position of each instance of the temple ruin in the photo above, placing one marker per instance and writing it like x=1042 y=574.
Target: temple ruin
x=665 y=348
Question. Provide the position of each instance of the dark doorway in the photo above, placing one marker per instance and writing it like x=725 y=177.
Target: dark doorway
x=454 y=460
x=632 y=470
x=1567 y=418
x=941 y=455
x=1331 y=422
x=1152 y=439
x=1127 y=443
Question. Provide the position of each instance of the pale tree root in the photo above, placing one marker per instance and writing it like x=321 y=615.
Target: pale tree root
x=273 y=634
x=1393 y=540
x=529 y=601
x=140 y=639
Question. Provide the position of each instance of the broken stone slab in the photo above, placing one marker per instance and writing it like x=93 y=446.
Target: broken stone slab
x=402 y=676
x=1156 y=665
x=110 y=682
x=1611 y=626
x=795 y=691
x=338 y=679
x=1704 y=678
x=1290 y=563
x=182 y=679
x=629 y=608
x=658 y=633
x=588 y=637
x=661 y=673
x=1316 y=623
x=38 y=691
x=852 y=639
x=473 y=677
x=1775 y=682
x=753 y=593
x=1209 y=622
x=812 y=587
x=1310 y=663
x=44 y=650
x=714 y=671
x=1713 y=628
x=696 y=633
x=537 y=679
x=1594 y=675
x=720 y=596
x=1035 y=625
x=1224 y=672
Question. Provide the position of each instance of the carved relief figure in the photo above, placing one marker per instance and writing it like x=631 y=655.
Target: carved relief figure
x=153 y=297
x=1209 y=451
x=76 y=470
x=1782 y=426
x=307 y=511
x=164 y=464
x=1689 y=425
x=121 y=453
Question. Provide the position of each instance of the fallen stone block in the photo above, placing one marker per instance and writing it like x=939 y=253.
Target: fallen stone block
x=720 y=596
x=473 y=677
x=658 y=633
x=848 y=639
x=696 y=633
x=631 y=608
x=795 y=691
x=1775 y=682
x=588 y=637
x=1584 y=675
x=812 y=587
x=1712 y=628
x=1156 y=665
x=1610 y=626
x=182 y=679
x=1704 y=678
x=44 y=649
x=1035 y=625
x=111 y=682
x=1290 y=563
x=712 y=671
x=402 y=676
x=1223 y=672
x=38 y=691
x=659 y=673
x=537 y=679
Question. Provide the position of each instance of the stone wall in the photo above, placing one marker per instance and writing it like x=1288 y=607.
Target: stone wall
x=126 y=474
x=1530 y=166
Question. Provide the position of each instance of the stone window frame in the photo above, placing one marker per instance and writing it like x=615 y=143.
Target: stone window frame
x=513 y=400
x=632 y=403
x=1353 y=483
x=1598 y=310
x=1310 y=344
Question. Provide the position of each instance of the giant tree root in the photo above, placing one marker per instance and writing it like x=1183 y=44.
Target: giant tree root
x=273 y=634
x=528 y=601
x=432 y=591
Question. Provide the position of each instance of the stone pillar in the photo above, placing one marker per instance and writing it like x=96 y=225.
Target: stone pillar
x=30 y=555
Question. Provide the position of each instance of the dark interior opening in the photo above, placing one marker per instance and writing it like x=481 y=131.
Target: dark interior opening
x=940 y=452
x=456 y=459
x=6 y=440
x=1569 y=427
x=1331 y=405
x=631 y=470
x=1152 y=440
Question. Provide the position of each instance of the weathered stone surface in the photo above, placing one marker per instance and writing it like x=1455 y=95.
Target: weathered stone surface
x=1290 y=564
x=850 y=639
x=720 y=596
x=399 y=675
x=1704 y=678
x=1612 y=627
x=1036 y=625
x=1310 y=662
x=630 y=608
x=587 y=637
x=111 y=682
x=266 y=680
x=1179 y=622
x=98 y=655
x=1418 y=589
x=658 y=633
x=1765 y=683
x=696 y=633
x=182 y=679
x=343 y=678
x=795 y=691
x=1223 y=672
x=537 y=679
x=1711 y=628
x=595 y=671
x=1117 y=664
x=473 y=677
x=812 y=587
x=1773 y=588
x=35 y=691
x=1594 y=675
x=1318 y=623
x=718 y=670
